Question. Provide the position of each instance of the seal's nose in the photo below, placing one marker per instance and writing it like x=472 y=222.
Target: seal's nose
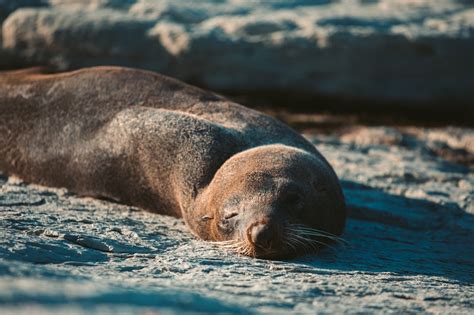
x=261 y=235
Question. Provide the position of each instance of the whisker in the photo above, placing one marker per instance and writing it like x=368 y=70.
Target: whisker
x=237 y=246
x=299 y=243
x=340 y=242
x=303 y=229
x=231 y=245
x=305 y=242
x=299 y=238
x=292 y=247
x=312 y=241
x=223 y=243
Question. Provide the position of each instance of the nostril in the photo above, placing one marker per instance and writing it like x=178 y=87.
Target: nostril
x=261 y=235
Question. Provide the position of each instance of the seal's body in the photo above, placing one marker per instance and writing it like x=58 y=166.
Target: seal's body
x=233 y=174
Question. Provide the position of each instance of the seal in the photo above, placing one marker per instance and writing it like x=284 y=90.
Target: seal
x=236 y=176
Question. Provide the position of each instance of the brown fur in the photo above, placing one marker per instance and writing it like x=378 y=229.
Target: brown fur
x=150 y=141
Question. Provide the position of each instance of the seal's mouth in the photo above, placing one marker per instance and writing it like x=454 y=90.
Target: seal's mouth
x=298 y=239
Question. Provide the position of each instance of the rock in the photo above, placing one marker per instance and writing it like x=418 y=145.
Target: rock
x=89 y=242
x=91 y=5
x=8 y=6
x=7 y=59
x=373 y=136
x=67 y=38
x=397 y=52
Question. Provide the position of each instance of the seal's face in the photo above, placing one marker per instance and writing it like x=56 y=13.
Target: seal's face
x=274 y=202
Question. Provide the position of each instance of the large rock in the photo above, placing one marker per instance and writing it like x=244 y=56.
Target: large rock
x=402 y=52
x=8 y=6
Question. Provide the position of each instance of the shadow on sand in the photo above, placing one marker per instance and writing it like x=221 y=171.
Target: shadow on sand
x=404 y=236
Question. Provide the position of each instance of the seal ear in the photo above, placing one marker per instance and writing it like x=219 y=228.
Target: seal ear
x=198 y=216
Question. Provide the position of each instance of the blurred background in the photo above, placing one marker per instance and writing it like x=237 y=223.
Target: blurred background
x=322 y=66
x=384 y=60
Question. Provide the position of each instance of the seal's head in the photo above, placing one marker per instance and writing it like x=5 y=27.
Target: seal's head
x=271 y=201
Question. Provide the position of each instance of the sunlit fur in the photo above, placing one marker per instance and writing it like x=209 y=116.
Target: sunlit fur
x=254 y=186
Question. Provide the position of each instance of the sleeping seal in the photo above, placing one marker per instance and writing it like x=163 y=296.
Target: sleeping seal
x=236 y=176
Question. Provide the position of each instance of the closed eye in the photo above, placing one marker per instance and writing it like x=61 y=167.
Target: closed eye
x=226 y=224
x=230 y=215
